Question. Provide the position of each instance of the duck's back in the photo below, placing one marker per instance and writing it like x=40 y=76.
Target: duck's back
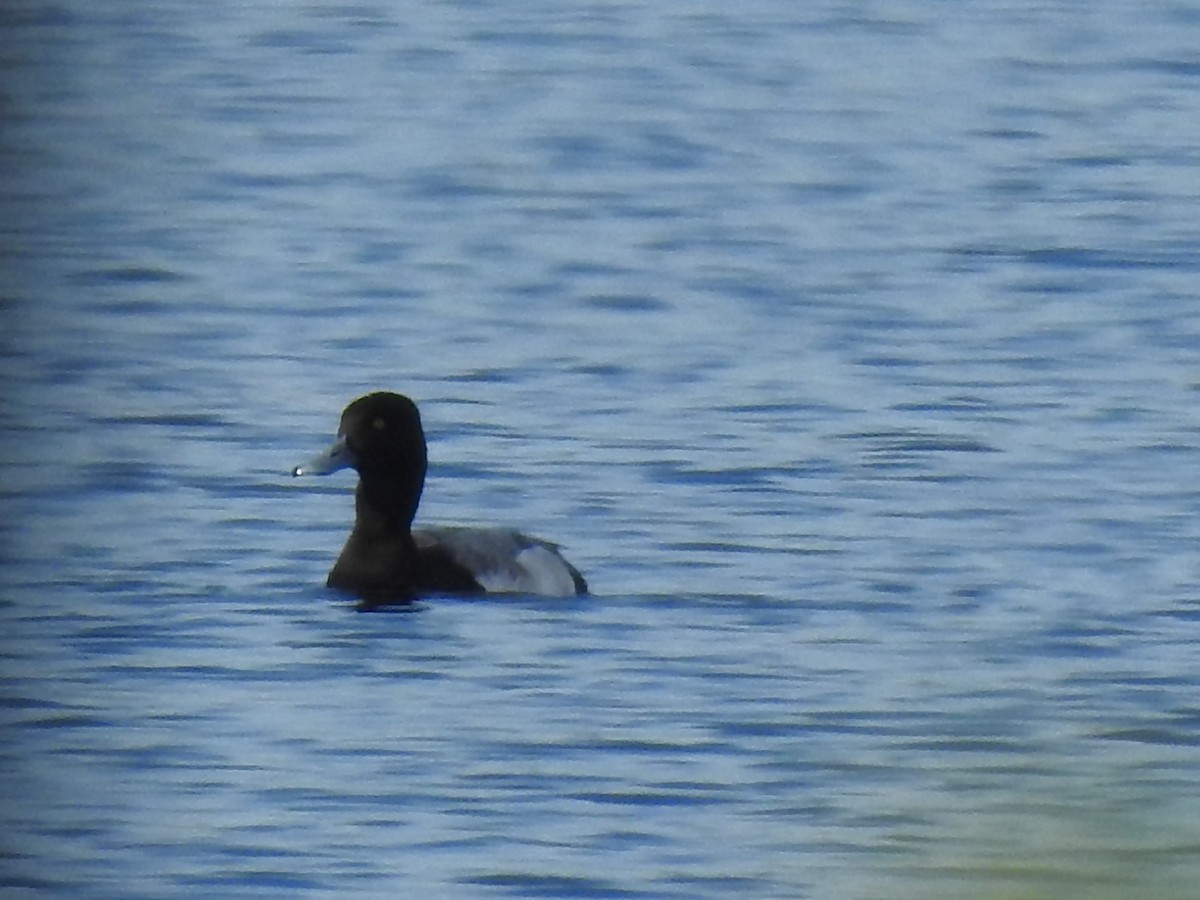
x=503 y=560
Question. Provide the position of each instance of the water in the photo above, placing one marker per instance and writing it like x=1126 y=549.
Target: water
x=848 y=348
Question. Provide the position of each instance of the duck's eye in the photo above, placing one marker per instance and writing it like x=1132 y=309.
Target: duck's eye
x=379 y=424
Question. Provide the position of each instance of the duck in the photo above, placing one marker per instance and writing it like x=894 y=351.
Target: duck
x=385 y=560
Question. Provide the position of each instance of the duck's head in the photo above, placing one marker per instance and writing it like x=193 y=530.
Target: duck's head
x=380 y=435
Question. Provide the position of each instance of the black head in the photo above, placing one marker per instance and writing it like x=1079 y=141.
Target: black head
x=386 y=445
x=383 y=434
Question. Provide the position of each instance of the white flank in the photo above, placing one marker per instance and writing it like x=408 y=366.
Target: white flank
x=535 y=570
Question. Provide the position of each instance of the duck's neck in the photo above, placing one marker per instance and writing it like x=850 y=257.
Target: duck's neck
x=380 y=555
x=386 y=506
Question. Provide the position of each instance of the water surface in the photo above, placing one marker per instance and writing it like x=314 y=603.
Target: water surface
x=848 y=348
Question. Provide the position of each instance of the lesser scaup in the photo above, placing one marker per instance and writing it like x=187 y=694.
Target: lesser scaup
x=385 y=560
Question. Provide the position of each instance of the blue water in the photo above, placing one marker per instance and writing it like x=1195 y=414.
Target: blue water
x=851 y=349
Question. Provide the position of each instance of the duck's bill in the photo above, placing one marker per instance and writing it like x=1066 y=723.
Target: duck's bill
x=337 y=456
